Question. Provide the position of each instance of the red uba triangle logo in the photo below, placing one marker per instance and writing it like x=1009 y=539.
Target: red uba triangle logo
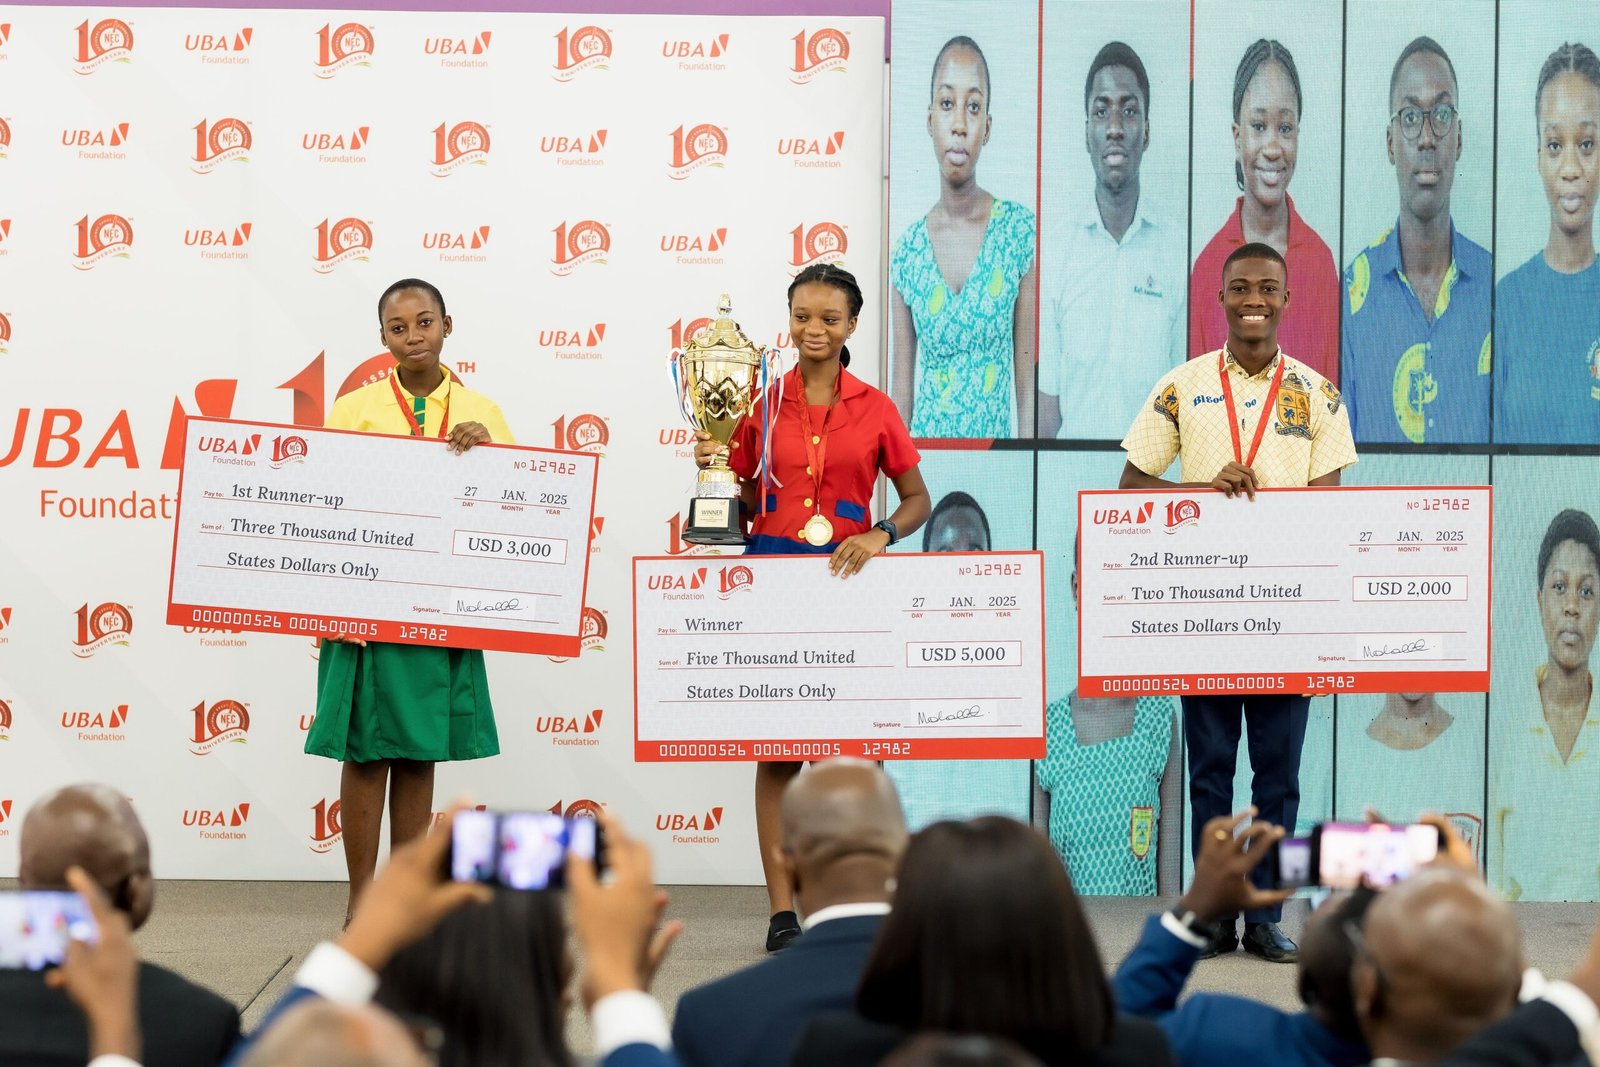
x=5 y=811
x=591 y=722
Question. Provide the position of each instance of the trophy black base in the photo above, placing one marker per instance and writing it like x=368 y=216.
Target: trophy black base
x=714 y=521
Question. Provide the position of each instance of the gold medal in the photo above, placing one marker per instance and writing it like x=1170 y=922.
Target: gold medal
x=818 y=531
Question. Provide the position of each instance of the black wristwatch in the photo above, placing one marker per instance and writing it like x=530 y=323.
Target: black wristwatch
x=889 y=528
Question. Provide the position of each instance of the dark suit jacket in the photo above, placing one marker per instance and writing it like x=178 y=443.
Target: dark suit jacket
x=1537 y=1034
x=1213 y=1029
x=183 y=1025
x=753 y=1017
x=847 y=1040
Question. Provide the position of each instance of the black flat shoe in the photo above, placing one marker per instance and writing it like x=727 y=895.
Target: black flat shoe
x=783 y=930
x=1270 y=943
x=1225 y=940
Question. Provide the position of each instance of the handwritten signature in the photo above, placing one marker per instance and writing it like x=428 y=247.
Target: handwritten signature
x=974 y=712
x=1418 y=645
x=499 y=605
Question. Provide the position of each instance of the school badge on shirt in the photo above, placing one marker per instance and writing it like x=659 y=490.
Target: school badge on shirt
x=1593 y=360
x=1141 y=827
x=1294 y=408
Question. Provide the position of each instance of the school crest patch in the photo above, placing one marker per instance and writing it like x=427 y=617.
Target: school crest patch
x=1332 y=395
x=1167 y=403
x=1141 y=828
x=1294 y=408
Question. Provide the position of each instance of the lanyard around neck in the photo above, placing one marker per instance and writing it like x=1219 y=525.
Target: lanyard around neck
x=1233 y=417
x=413 y=419
x=817 y=443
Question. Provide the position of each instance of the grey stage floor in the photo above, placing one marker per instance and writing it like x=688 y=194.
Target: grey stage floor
x=245 y=939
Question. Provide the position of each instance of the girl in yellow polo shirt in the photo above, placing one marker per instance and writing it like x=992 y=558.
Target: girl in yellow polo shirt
x=390 y=712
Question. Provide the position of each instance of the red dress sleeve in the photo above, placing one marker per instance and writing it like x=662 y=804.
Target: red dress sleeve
x=896 y=453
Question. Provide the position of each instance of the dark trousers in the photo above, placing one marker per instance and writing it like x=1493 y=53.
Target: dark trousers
x=1275 y=728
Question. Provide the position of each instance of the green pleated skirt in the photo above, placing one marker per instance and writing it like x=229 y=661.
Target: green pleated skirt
x=409 y=702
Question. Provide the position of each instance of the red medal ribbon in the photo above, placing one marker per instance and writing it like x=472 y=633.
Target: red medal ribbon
x=405 y=409
x=816 y=452
x=1233 y=418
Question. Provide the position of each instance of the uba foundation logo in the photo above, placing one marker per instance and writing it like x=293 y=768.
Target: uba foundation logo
x=570 y=729
x=458 y=246
x=350 y=45
x=108 y=624
x=579 y=244
x=219 y=242
x=5 y=626
x=245 y=445
x=702 y=54
x=813 y=152
x=574 y=149
x=582 y=433
x=107 y=41
x=821 y=242
x=696 y=249
x=818 y=53
x=325 y=827
x=1115 y=516
x=1181 y=513
x=337 y=146
x=461 y=145
x=5 y=721
x=219 y=142
x=691 y=828
x=106 y=237
x=459 y=51
x=578 y=50
x=695 y=148
x=695 y=579
x=97 y=725
x=734 y=579
x=97 y=142
x=219 y=824
x=342 y=242
x=229 y=48
x=5 y=817
x=574 y=343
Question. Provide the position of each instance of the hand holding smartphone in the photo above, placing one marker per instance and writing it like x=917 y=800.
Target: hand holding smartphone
x=1346 y=855
x=521 y=849
x=36 y=926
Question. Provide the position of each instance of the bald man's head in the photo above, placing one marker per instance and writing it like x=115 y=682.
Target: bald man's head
x=1442 y=959
x=843 y=832
x=323 y=1034
x=93 y=827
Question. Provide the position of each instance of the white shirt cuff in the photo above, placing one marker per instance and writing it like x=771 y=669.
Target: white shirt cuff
x=333 y=974
x=1576 y=1005
x=1534 y=983
x=113 y=1060
x=629 y=1017
x=1170 y=922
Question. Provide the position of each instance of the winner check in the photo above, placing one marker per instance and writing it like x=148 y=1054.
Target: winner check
x=1327 y=590
x=290 y=529
x=772 y=658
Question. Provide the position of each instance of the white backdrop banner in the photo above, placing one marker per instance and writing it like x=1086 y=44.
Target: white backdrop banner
x=198 y=211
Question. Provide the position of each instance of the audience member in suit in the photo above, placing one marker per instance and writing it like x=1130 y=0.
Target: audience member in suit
x=843 y=834
x=183 y=1025
x=986 y=937
x=1218 y=1030
x=1438 y=960
x=406 y=904
x=102 y=979
x=319 y=1033
x=961 y=1050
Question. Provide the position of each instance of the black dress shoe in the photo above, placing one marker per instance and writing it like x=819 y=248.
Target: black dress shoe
x=1270 y=943
x=783 y=930
x=1225 y=939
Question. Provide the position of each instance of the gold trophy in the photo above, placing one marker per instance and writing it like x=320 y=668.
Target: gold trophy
x=719 y=378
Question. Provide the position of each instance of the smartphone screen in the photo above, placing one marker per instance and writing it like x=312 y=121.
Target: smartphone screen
x=1350 y=854
x=35 y=926
x=520 y=849
x=1294 y=864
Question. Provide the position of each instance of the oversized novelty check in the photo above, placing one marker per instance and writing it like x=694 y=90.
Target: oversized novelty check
x=1338 y=590
x=288 y=529
x=772 y=658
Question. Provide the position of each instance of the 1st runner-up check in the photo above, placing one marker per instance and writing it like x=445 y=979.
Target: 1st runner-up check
x=1316 y=590
x=295 y=530
x=772 y=658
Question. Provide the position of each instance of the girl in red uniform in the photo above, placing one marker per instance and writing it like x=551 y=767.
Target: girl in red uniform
x=830 y=435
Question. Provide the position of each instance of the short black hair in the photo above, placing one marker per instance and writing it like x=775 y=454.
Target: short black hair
x=1422 y=46
x=411 y=283
x=1569 y=525
x=1254 y=58
x=1117 y=54
x=948 y=503
x=963 y=41
x=1256 y=250
x=1572 y=58
x=1324 y=982
x=836 y=276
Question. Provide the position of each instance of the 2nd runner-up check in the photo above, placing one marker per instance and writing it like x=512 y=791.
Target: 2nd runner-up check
x=295 y=530
x=1326 y=590
x=772 y=658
